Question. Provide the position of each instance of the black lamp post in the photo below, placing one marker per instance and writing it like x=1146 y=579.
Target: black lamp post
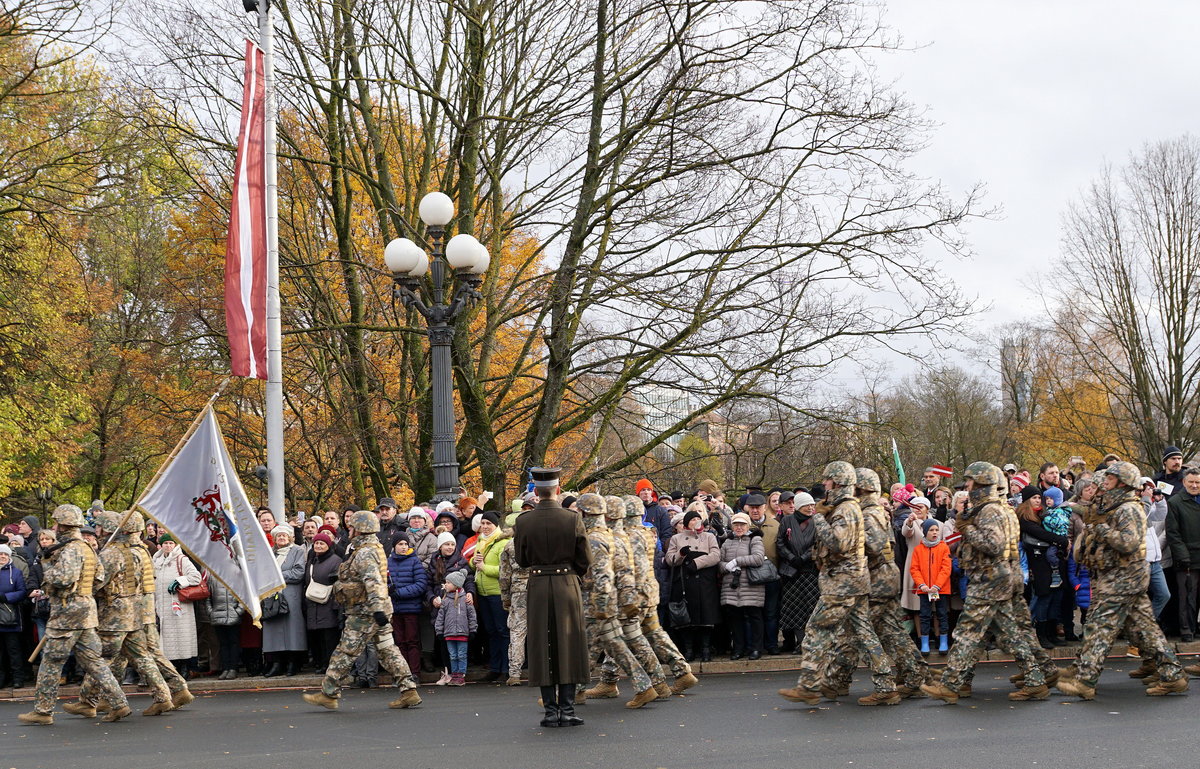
x=45 y=495
x=439 y=302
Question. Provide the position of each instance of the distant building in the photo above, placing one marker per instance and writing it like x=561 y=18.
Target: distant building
x=662 y=407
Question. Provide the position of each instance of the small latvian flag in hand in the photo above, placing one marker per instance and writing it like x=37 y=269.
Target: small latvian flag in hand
x=942 y=470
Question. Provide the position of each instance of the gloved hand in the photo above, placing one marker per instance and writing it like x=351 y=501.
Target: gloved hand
x=685 y=550
x=732 y=566
x=381 y=619
x=173 y=587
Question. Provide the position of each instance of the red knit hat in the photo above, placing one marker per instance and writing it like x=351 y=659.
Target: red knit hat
x=1021 y=479
x=332 y=532
x=642 y=485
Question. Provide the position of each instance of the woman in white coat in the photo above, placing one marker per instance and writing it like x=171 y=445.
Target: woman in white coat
x=176 y=619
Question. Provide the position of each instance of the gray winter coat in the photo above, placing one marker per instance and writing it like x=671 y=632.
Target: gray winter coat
x=286 y=633
x=456 y=617
x=223 y=608
x=736 y=589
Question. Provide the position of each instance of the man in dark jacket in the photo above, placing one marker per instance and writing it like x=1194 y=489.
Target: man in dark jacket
x=551 y=543
x=390 y=526
x=1183 y=538
x=656 y=515
x=1172 y=470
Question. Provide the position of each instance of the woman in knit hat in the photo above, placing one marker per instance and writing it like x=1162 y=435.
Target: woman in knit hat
x=176 y=619
x=492 y=616
x=693 y=556
x=285 y=640
x=322 y=619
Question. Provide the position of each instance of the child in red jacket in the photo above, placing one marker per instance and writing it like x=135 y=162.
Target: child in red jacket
x=930 y=572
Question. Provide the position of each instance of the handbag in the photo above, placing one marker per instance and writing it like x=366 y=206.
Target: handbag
x=678 y=610
x=9 y=616
x=316 y=592
x=192 y=593
x=761 y=575
x=275 y=606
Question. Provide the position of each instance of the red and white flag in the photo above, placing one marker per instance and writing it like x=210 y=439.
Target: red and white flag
x=246 y=246
x=942 y=470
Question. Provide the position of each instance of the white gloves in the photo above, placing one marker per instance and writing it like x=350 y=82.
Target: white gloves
x=732 y=566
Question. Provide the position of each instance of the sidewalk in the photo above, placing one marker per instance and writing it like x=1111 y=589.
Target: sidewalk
x=767 y=664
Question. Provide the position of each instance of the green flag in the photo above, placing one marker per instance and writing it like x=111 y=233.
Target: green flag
x=896 y=459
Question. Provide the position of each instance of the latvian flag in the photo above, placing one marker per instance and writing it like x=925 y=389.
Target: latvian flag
x=246 y=246
x=942 y=470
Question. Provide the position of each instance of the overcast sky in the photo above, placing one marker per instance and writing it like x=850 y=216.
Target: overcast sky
x=1033 y=98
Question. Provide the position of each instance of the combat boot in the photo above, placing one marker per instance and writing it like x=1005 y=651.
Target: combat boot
x=81 y=708
x=409 y=699
x=910 y=692
x=602 y=691
x=940 y=691
x=1147 y=668
x=322 y=699
x=663 y=691
x=1076 y=688
x=641 y=698
x=1192 y=670
x=181 y=698
x=513 y=681
x=880 y=698
x=1017 y=678
x=964 y=692
x=797 y=694
x=1151 y=679
x=830 y=692
x=1178 y=686
x=34 y=717
x=1026 y=693
x=683 y=683
x=101 y=707
x=116 y=715
x=158 y=708
x=566 y=706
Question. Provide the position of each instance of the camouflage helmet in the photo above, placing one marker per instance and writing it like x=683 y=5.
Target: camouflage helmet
x=134 y=524
x=590 y=505
x=868 y=480
x=841 y=473
x=108 y=520
x=1127 y=473
x=68 y=515
x=633 y=506
x=985 y=474
x=363 y=522
x=614 y=508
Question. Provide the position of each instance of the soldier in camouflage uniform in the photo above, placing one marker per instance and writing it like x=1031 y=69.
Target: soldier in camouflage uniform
x=514 y=594
x=1113 y=548
x=119 y=604
x=70 y=572
x=884 y=599
x=600 y=603
x=362 y=590
x=631 y=603
x=989 y=555
x=840 y=554
x=643 y=545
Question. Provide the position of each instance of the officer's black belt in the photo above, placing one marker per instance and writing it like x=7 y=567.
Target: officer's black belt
x=553 y=570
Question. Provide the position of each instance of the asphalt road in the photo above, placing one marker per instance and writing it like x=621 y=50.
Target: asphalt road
x=728 y=722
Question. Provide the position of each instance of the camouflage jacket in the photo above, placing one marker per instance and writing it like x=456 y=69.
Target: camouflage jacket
x=629 y=600
x=145 y=564
x=118 y=594
x=840 y=549
x=641 y=549
x=362 y=584
x=989 y=545
x=878 y=540
x=599 y=584
x=68 y=578
x=514 y=579
x=1116 y=549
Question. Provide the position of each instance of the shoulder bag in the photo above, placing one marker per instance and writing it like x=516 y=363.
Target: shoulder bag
x=678 y=610
x=761 y=575
x=316 y=592
x=192 y=593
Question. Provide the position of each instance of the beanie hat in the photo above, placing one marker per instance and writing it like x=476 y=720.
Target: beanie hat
x=283 y=529
x=475 y=521
x=709 y=486
x=444 y=505
x=323 y=536
x=445 y=537
x=457 y=578
x=643 y=485
x=166 y=538
x=689 y=516
x=1171 y=451
x=516 y=505
x=928 y=524
x=490 y=516
x=677 y=519
x=5 y=550
x=918 y=500
x=1053 y=496
x=332 y=532
x=567 y=501
x=1021 y=479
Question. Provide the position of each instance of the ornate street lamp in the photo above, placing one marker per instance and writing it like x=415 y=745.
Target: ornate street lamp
x=439 y=303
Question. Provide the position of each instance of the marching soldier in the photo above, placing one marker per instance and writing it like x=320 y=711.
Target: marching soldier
x=644 y=543
x=631 y=608
x=843 y=606
x=121 y=630
x=71 y=569
x=602 y=603
x=361 y=589
x=1113 y=548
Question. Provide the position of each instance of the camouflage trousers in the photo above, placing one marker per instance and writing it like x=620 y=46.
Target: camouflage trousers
x=1009 y=620
x=175 y=682
x=832 y=619
x=910 y=666
x=359 y=633
x=643 y=651
x=605 y=638
x=86 y=645
x=1106 y=617
x=131 y=645
x=518 y=628
x=664 y=648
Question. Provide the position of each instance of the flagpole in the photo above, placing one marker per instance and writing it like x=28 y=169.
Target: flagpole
x=274 y=391
x=171 y=457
